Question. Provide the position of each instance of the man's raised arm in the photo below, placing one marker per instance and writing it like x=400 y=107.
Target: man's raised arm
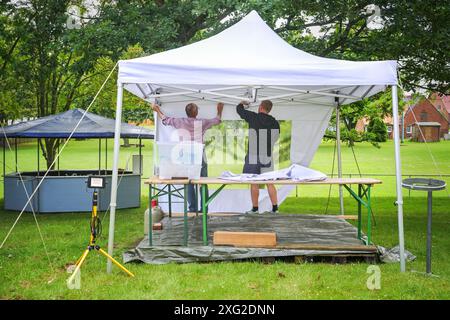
x=242 y=112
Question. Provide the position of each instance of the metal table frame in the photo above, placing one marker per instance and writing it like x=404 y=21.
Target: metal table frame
x=363 y=197
x=168 y=189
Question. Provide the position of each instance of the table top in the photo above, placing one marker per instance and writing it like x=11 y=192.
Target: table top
x=212 y=180
x=338 y=181
x=157 y=180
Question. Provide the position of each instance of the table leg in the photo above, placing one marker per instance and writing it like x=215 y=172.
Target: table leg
x=170 y=200
x=150 y=218
x=359 y=212
x=185 y=232
x=196 y=199
x=205 y=217
x=430 y=208
x=369 y=217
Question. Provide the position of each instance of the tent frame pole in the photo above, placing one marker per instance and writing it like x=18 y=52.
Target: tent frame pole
x=155 y=141
x=106 y=156
x=4 y=158
x=15 y=151
x=398 y=175
x=100 y=156
x=58 y=161
x=115 y=174
x=38 y=162
x=339 y=158
x=140 y=156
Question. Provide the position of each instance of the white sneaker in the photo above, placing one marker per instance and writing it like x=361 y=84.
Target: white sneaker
x=269 y=212
x=251 y=211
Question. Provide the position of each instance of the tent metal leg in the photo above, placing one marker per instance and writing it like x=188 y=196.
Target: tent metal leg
x=185 y=216
x=339 y=158
x=115 y=174
x=398 y=175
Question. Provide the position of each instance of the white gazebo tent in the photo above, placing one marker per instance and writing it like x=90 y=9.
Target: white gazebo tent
x=250 y=61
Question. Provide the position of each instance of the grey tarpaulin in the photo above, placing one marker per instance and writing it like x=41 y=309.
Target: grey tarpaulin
x=290 y=229
x=393 y=255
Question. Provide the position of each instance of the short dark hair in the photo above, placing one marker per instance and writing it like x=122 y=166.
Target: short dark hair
x=266 y=105
x=190 y=108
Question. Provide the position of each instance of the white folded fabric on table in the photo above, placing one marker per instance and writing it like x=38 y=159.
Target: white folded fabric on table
x=295 y=172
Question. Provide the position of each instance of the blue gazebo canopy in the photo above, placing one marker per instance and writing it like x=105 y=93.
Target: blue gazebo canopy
x=61 y=126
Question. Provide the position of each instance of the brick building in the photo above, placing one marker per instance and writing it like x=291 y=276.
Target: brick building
x=426 y=116
x=431 y=115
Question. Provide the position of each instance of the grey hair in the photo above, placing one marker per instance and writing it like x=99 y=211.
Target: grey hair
x=190 y=108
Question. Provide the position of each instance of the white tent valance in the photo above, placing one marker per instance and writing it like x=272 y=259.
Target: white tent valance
x=250 y=60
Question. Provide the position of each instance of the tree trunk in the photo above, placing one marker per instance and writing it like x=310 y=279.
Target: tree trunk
x=49 y=151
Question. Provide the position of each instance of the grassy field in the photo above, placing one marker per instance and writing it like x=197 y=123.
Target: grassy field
x=25 y=272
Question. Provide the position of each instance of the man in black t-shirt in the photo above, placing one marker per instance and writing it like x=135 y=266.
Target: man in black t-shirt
x=263 y=133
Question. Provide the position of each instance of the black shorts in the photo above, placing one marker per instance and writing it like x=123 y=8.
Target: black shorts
x=256 y=168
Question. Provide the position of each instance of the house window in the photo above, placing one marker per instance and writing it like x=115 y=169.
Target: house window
x=408 y=129
x=389 y=129
x=423 y=116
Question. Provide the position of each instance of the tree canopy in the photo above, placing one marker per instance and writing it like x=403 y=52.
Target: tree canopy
x=51 y=60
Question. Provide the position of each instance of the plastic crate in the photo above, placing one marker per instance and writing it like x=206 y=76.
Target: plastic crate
x=179 y=160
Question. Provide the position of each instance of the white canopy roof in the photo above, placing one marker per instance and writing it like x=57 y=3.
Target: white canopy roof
x=252 y=59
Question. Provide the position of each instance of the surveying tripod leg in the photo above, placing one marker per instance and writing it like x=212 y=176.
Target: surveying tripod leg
x=115 y=262
x=78 y=265
x=79 y=259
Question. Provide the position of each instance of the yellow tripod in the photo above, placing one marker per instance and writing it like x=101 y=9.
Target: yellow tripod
x=95 y=230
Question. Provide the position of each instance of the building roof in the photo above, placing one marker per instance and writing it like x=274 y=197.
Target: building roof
x=426 y=102
x=428 y=124
x=441 y=103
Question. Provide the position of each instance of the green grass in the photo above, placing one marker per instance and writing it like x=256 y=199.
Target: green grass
x=25 y=272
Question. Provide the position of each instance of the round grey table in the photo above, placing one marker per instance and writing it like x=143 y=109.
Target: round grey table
x=429 y=185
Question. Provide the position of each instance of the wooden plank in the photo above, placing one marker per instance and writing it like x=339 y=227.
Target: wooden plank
x=348 y=217
x=246 y=239
x=336 y=181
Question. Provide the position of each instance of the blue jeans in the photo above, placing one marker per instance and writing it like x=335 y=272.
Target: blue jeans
x=191 y=194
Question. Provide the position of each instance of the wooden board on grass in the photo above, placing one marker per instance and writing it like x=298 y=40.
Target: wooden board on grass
x=245 y=239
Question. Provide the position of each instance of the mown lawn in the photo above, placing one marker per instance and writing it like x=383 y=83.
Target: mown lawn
x=25 y=272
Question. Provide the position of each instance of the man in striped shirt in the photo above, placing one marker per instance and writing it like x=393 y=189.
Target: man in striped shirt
x=192 y=129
